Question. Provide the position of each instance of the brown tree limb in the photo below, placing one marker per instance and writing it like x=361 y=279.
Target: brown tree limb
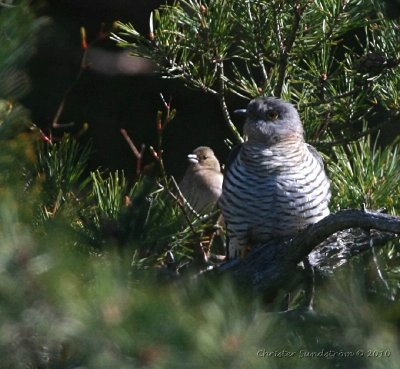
x=307 y=240
x=267 y=267
x=138 y=154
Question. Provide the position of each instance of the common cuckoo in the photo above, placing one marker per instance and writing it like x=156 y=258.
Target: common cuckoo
x=275 y=184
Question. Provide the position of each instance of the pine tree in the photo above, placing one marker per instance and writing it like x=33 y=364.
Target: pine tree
x=81 y=255
x=338 y=61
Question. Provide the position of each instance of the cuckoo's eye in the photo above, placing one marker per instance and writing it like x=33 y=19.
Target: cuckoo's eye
x=272 y=115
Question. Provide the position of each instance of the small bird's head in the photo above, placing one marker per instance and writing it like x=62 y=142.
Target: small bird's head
x=203 y=157
x=271 y=120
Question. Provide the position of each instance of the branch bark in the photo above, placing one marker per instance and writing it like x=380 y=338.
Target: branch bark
x=224 y=108
x=267 y=267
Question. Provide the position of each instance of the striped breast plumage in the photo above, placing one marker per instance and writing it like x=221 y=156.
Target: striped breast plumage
x=276 y=185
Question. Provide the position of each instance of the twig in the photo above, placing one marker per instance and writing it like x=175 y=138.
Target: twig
x=333 y=98
x=286 y=48
x=278 y=32
x=378 y=268
x=169 y=115
x=130 y=143
x=224 y=107
x=186 y=203
x=354 y=137
x=260 y=54
x=261 y=64
x=158 y=156
x=47 y=139
x=82 y=68
x=161 y=124
x=183 y=198
x=181 y=206
x=138 y=154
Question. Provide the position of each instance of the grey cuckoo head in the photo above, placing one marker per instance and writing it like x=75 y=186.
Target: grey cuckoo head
x=203 y=157
x=270 y=120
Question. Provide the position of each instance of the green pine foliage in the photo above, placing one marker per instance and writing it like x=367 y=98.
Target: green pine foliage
x=59 y=171
x=89 y=261
x=364 y=173
x=337 y=60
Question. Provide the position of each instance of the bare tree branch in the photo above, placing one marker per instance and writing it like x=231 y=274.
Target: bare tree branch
x=267 y=267
x=225 y=112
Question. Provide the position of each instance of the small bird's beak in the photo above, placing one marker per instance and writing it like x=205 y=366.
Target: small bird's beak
x=193 y=158
x=242 y=112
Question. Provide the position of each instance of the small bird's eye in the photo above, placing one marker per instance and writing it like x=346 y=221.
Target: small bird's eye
x=272 y=115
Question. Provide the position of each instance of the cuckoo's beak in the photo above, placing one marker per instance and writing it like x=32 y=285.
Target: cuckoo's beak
x=193 y=158
x=242 y=112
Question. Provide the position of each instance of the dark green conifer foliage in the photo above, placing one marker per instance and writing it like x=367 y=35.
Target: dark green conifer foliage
x=88 y=262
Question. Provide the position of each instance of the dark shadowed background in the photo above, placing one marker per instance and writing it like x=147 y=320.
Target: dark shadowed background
x=115 y=91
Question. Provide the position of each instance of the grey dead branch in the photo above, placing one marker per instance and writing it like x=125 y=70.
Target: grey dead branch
x=328 y=244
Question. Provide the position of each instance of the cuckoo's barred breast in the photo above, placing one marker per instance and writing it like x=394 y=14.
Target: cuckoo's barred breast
x=274 y=187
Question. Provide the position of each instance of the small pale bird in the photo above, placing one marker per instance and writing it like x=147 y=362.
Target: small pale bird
x=275 y=184
x=202 y=183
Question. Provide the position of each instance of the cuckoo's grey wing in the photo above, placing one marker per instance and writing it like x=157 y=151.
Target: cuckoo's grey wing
x=232 y=156
x=315 y=153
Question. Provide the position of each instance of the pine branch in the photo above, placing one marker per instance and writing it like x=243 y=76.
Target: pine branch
x=286 y=49
x=224 y=107
x=266 y=267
